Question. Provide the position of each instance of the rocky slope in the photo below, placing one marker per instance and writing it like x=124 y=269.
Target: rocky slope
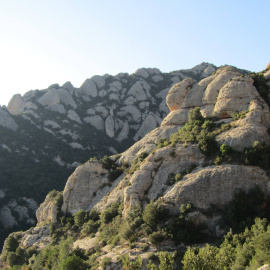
x=170 y=167
x=46 y=134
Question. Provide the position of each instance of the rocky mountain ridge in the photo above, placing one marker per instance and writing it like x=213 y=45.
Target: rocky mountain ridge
x=200 y=155
x=45 y=134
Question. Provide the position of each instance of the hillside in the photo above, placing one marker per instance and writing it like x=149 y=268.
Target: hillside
x=45 y=134
x=204 y=170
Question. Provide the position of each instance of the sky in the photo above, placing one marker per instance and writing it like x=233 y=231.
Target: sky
x=54 y=41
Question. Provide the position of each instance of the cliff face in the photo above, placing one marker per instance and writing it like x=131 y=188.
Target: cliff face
x=178 y=163
x=221 y=95
x=45 y=134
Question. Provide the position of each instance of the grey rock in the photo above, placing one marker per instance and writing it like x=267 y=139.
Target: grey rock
x=89 y=88
x=109 y=126
x=7 y=121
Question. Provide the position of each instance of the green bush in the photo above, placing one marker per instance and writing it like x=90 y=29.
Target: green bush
x=73 y=262
x=131 y=264
x=80 y=218
x=134 y=217
x=239 y=115
x=258 y=154
x=11 y=243
x=195 y=115
x=261 y=86
x=109 y=231
x=247 y=250
x=110 y=213
x=207 y=143
x=12 y=258
x=156 y=237
x=225 y=150
x=90 y=227
x=154 y=214
x=105 y=262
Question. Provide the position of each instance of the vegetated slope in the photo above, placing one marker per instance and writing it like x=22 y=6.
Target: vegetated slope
x=46 y=134
x=203 y=171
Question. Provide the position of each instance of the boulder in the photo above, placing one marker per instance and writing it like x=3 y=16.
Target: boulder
x=68 y=86
x=123 y=133
x=133 y=111
x=176 y=117
x=56 y=96
x=99 y=81
x=137 y=91
x=89 y=88
x=109 y=126
x=15 y=105
x=251 y=128
x=177 y=93
x=215 y=185
x=222 y=76
x=148 y=124
x=235 y=96
x=96 y=121
x=7 y=121
x=47 y=211
x=147 y=143
x=38 y=237
x=72 y=115
x=82 y=186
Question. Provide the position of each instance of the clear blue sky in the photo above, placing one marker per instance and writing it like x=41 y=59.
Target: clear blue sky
x=54 y=41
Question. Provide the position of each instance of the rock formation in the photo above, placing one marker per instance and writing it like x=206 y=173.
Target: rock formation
x=51 y=131
x=157 y=167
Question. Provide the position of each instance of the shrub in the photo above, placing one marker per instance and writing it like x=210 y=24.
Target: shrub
x=208 y=125
x=239 y=115
x=225 y=150
x=73 y=262
x=258 y=154
x=90 y=227
x=134 y=217
x=261 y=85
x=178 y=177
x=218 y=160
x=80 y=218
x=157 y=237
x=150 y=215
x=207 y=143
x=154 y=214
x=108 y=231
x=105 y=262
x=12 y=258
x=201 y=259
x=195 y=115
x=108 y=214
x=166 y=260
x=247 y=250
x=131 y=265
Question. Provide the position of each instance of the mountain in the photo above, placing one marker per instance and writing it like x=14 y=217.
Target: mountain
x=46 y=134
x=203 y=171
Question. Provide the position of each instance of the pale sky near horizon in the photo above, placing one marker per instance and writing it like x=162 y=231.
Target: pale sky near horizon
x=54 y=41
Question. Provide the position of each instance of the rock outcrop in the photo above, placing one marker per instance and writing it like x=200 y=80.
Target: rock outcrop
x=215 y=185
x=221 y=95
x=47 y=211
x=160 y=166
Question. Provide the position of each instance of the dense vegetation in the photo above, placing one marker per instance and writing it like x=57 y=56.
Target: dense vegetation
x=248 y=247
